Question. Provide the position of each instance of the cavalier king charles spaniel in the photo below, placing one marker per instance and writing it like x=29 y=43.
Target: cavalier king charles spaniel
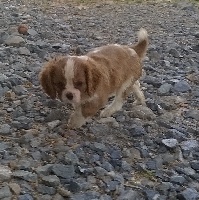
x=88 y=81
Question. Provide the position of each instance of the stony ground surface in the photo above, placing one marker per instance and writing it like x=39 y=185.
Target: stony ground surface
x=139 y=153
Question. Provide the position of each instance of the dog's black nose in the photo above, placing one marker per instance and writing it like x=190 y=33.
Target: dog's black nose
x=69 y=95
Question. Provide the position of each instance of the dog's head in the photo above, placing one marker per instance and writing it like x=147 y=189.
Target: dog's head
x=71 y=78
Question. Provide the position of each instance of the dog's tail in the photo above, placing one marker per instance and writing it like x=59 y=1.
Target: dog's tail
x=142 y=44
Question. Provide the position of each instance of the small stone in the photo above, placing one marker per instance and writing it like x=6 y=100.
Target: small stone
x=177 y=179
x=175 y=53
x=53 y=124
x=63 y=192
x=15 y=188
x=189 y=145
x=188 y=194
x=195 y=164
x=43 y=189
x=99 y=146
x=5 y=129
x=15 y=41
x=5 y=192
x=25 y=197
x=194 y=114
x=164 y=89
x=137 y=131
x=129 y=195
x=151 y=165
x=109 y=120
x=24 y=51
x=64 y=171
x=32 y=32
x=5 y=173
x=51 y=180
x=26 y=175
x=71 y=158
x=182 y=86
x=171 y=143
x=44 y=170
x=74 y=187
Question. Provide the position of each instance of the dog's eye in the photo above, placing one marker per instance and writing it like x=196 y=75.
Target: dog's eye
x=78 y=84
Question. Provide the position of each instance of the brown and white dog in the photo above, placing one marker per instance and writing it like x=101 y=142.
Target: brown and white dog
x=88 y=81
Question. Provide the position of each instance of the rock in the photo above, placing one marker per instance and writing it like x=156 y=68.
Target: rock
x=5 y=192
x=129 y=195
x=24 y=51
x=188 y=194
x=195 y=164
x=16 y=189
x=137 y=131
x=164 y=89
x=25 y=197
x=53 y=124
x=5 y=129
x=182 y=86
x=71 y=158
x=74 y=187
x=99 y=146
x=15 y=41
x=32 y=32
x=51 y=180
x=64 y=171
x=5 y=173
x=189 y=145
x=171 y=143
x=23 y=29
x=46 y=190
x=26 y=175
x=194 y=114
x=174 y=53
x=177 y=179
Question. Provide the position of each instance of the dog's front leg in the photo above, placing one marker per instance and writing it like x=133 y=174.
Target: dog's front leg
x=76 y=119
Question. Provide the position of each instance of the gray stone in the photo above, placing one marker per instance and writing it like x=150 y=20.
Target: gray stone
x=189 y=194
x=171 y=143
x=182 y=86
x=174 y=53
x=71 y=158
x=177 y=179
x=43 y=189
x=193 y=114
x=24 y=51
x=129 y=195
x=26 y=175
x=19 y=90
x=51 y=180
x=5 y=173
x=195 y=164
x=3 y=146
x=5 y=192
x=53 y=124
x=44 y=170
x=137 y=131
x=5 y=129
x=164 y=89
x=25 y=197
x=189 y=145
x=74 y=187
x=15 y=41
x=64 y=171
x=32 y=32
x=99 y=146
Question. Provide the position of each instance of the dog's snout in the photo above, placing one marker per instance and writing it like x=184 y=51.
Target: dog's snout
x=69 y=95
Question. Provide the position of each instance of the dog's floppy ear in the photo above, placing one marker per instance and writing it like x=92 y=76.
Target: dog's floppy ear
x=93 y=77
x=45 y=78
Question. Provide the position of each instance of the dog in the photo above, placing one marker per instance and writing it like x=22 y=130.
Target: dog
x=88 y=81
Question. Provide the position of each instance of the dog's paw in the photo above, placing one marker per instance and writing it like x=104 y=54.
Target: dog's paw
x=75 y=122
x=107 y=112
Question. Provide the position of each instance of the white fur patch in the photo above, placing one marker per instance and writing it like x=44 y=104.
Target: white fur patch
x=142 y=34
x=133 y=52
x=69 y=69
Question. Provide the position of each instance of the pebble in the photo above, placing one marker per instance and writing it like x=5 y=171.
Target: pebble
x=171 y=143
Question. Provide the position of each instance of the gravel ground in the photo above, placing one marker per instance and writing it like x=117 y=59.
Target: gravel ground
x=139 y=153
